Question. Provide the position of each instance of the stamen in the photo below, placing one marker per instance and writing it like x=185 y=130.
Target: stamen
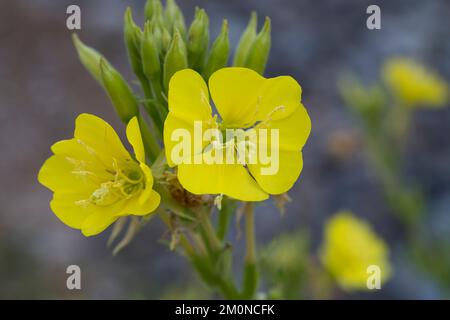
x=269 y=116
x=82 y=172
x=83 y=203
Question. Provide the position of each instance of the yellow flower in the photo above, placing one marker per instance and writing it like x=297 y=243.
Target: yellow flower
x=349 y=248
x=245 y=101
x=413 y=84
x=95 y=180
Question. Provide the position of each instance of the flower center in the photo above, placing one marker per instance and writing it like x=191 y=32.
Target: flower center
x=127 y=182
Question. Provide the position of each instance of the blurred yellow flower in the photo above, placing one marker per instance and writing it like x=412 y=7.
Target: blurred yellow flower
x=413 y=84
x=245 y=101
x=350 y=247
x=94 y=178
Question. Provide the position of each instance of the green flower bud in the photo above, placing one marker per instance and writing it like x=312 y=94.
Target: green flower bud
x=166 y=39
x=157 y=34
x=149 y=53
x=198 y=41
x=133 y=38
x=174 y=17
x=218 y=57
x=152 y=8
x=90 y=58
x=176 y=58
x=180 y=24
x=259 y=51
x=119 y=92
x=246 y=41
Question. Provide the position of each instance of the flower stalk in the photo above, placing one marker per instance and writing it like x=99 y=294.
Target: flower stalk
x=251 y=276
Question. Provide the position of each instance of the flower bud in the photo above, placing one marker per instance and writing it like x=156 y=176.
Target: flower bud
x=176 y=58
x=220 y=49
x=246 y=41
x=157 y=34
x=166 y=39
x=133 y=38
x=118 y=91
x=174 y=18
x=198 y=41
x=152 y=67
x=90 y=58
x=152 y=8
x=259 y=51
x=149 y=53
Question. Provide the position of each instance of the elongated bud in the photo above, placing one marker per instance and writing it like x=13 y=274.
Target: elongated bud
x=90 y=58
x=198 y=41
x=180 y=24
x=218 y=56
x=152 y=8
x=176 y=58
x=173 y=17
x=246 y=41
x=133 y=38
x=259 y=51
x=157 y=34
x=166 y=39
x=149 y=53
x=119 y=92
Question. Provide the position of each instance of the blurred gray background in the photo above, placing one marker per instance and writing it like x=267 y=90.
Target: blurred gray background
x=43 y=87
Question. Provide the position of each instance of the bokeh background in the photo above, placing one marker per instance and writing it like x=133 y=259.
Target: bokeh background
x=43 y=87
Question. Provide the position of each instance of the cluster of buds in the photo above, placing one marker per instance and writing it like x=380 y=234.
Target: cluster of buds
x=165 y=45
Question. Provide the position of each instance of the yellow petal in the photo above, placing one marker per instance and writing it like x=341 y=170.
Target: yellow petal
x=413 y=84
x=350 y=246
x=188 y=96
x=188 y=102
x=290 y=165
x=135 y=139
x=236 y=92
x=97 y=223
x=232 y=180
x=102 y=218
x=71 y=209
x=66 y=175
x=293 y=131
x=82 y=158
x=76 y=149
x=143 y=205
x=100 y=138
x=173 y=126
x=280 y=97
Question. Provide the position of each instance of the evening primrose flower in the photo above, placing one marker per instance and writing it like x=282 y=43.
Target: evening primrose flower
x=349 y=248
x=246 y=103
x=413 y=84
x=95 y=180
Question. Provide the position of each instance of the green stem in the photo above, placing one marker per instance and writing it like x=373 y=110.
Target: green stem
x=151 y=146
x=224 y=219
x=250 y=277
x=152 y=110
x=208 y=228
x=160 y=103
x=250 y=256
x=208 y=263
x=386 y=153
